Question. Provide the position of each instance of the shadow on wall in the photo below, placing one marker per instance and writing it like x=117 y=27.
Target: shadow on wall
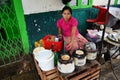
x=41 y=24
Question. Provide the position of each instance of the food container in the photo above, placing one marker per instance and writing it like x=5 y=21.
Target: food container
x=79 y=58
x=65 y=63
x=91 y=51
x=91 y=54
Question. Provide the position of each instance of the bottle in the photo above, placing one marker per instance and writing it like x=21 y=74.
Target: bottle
x=55 y=58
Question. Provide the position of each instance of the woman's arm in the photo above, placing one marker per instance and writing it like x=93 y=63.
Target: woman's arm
x=73 y=33
x=72 y=37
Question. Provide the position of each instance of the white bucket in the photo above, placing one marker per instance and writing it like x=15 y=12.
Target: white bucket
x=45 y=59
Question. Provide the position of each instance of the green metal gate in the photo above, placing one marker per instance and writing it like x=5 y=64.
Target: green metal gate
x=11 y=39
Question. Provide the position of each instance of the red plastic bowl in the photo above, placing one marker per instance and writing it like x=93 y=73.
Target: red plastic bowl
x=55 y=46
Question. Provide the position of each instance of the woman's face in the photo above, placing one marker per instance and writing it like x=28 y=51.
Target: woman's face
x=66 y=15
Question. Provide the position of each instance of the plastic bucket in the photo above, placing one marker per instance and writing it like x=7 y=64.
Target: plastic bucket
x=45 y=59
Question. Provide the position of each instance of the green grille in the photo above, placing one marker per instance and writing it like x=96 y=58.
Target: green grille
x=10 y=39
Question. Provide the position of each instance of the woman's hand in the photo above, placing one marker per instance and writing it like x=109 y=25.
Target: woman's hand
x=70 y=45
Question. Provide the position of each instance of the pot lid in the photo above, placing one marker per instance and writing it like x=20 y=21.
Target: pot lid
x=65 y=59
x=79 y=54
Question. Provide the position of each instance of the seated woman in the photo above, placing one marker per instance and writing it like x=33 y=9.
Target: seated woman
x=67 y=28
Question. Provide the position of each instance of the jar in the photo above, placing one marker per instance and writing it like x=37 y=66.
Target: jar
x=65 y=64
x=91 y=50
x=79 y=58
x=91 y=54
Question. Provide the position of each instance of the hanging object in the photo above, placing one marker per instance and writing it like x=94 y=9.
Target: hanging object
x=65 y=1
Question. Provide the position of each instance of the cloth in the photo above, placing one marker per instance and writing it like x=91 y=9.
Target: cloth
x=114 y=11
x=67 y=26
x=78 y=43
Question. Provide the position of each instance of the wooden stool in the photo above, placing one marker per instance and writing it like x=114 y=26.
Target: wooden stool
x=88 y=72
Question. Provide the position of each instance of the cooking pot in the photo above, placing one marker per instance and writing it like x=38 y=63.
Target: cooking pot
x=91 y=54
x=65 y=63
x=79 y=58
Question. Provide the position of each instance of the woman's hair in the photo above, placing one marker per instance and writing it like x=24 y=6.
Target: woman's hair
x=67 y=8
x=65 y=1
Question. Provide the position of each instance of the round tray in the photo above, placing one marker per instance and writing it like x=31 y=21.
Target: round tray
x=111 y=37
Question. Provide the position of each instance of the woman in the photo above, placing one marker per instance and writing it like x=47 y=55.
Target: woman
x=67 y=28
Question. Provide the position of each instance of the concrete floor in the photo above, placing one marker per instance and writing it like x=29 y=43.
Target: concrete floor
x=23 y=69
x=108 y=72
x=16 y=71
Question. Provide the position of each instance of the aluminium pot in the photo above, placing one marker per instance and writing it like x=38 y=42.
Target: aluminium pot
x=65 y=63
x=79 y=58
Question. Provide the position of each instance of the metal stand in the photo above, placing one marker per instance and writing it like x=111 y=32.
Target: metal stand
x=103 y=38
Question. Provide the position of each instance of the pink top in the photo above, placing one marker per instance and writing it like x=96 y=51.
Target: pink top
x=67 y=26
